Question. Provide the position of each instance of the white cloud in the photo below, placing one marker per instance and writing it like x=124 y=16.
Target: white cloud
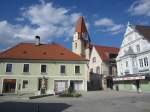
x=140 y=7
x=108 y=25
x=103 y=22
x=7 y=33
x=44 y=19
x=115 y=29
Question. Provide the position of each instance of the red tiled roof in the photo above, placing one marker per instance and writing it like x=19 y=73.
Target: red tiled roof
x=80 y=25
x=30 y=51
x=104 y=51
x=144 y=30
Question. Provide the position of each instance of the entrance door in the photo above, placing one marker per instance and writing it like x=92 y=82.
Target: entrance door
x=61 y=85
x=40 y=83
x=109 y=82
x=9 y=85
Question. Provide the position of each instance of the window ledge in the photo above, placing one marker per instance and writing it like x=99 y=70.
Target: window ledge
x=26 y=73
x=63 y=74
x=77 y=73
x=9 y=73
x=44 y=73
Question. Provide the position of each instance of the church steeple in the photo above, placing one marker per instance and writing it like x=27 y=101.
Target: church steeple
x=81 y=29
x=80 y=25
x=81 y=39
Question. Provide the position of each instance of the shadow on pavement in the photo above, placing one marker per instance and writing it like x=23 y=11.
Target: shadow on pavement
x=32 y=107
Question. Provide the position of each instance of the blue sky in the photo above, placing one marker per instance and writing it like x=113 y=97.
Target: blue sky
x=54 y=20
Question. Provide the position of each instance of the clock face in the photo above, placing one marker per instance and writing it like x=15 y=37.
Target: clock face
x=84 y=35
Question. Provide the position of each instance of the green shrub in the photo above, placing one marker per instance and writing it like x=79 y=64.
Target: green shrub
x=67 y=94
x=70 y=90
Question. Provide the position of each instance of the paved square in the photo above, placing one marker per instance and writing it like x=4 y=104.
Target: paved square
x=96 y=101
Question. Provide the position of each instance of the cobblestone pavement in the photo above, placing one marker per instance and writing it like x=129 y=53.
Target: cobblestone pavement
x=95 y=101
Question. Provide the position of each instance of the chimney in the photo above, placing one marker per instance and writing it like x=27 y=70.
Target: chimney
x=37 y=38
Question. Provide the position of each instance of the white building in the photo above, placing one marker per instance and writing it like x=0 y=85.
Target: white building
x=133 y=59
x=102 y=66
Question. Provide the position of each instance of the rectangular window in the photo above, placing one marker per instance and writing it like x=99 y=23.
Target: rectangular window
x=25 y=84
x=141 y=62
x=77 y=69
x=146 y=61
x=26 y=68
x=62 y=69
x=138 y=48
x=43 y=68
x=126 y=63
x=9 y=68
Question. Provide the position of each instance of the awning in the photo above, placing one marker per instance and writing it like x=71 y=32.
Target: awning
x=128 y=78
x=9 y=81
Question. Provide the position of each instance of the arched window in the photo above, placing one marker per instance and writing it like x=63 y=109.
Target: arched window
x=75 y=45
x=94 y=59
x=98 y=70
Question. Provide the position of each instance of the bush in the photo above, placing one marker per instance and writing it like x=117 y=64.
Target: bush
x=68 y=94
x=70 y=90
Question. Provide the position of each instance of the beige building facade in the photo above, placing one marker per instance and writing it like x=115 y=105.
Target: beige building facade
x=20 y=76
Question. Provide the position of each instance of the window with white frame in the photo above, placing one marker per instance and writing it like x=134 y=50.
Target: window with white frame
x=126 y=64
x=43 y=68
x=94 y=59
x=9 y=68
x=138 y=48
x=141 y=62
x=134 y=63
x=26 y=68
x=98 y=70
x=62 y=69
x=146 y=61
x=77 y=69
x=25 y=84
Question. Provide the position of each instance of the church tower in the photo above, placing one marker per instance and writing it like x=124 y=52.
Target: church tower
x=81 y=44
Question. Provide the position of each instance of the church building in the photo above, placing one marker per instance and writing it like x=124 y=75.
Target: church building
x=101 y=66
